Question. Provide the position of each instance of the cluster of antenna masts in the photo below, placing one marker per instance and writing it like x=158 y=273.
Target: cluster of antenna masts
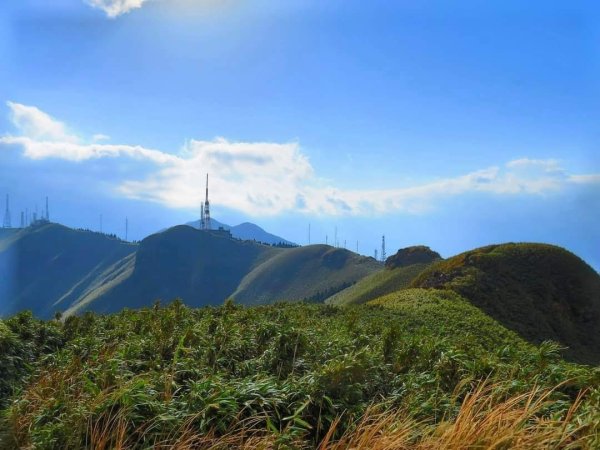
x=27 y=217
x=336 y=244
x=205 y=211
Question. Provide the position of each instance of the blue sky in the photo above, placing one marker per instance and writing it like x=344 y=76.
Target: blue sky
x=447 y=125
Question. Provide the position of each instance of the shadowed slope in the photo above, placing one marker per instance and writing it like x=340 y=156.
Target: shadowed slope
x=540 y=291
x=47 y=268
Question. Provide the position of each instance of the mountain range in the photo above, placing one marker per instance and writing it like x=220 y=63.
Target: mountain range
x=541 y=292
x=54 y=268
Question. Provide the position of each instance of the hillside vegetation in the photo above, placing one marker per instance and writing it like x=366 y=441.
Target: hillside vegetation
x=376 y=285
x=53 y=268
x=185 y=263
x=400 y=270
x=47 y=268
x=417 y=254
x=540 y=291
x=420 y=369
x=311 y=272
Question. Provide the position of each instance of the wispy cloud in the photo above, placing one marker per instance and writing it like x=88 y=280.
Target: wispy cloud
x=114 y=8
x=266 y=178
x=100 y=137
x=38 y=125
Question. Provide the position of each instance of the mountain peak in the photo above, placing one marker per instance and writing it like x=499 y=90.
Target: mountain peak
x=246 y=231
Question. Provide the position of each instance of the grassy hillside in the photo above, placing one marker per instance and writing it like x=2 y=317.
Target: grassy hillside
x=400 y=270
x=183 y=262
x=421 y=369
x=540 y=291
x=50 y=267
x=312 y=272
x=417 y=254
x=376 y=285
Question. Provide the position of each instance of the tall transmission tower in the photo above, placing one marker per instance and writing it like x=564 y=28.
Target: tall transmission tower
x=207 y=208
x=7 y=223
x=383 y=255
x=202 y=216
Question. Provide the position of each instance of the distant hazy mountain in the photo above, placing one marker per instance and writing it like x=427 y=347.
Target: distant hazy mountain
x=247 y=231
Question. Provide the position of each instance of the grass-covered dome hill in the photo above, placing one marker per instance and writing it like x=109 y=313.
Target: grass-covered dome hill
x=540 y=291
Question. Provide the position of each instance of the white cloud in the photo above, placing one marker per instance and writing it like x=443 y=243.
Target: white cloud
x=257 y=178
x=114 y=8
x=35 y=149
x=266 y=178
x=548 y=165
x=100 y=137
x=38 y=125
x=585 y=179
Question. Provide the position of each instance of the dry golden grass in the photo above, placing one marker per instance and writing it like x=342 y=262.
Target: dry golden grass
x=486 y=420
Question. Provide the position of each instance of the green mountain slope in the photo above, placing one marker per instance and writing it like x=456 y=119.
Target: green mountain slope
x=450 y=316
x=182 y=262
x=53 y=268
x=47 y=268
x=400 y=270
x=312 y=272
x=377 y=284
x=540 y=291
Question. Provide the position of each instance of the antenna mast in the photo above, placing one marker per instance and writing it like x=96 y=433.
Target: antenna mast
x=207 y=208
x=7 y=223
x=383 y=256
